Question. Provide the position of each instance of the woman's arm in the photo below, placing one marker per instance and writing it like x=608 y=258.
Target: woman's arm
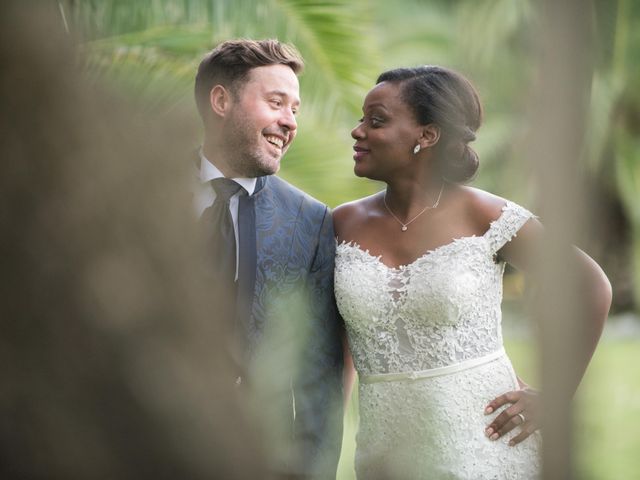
x=594 y=291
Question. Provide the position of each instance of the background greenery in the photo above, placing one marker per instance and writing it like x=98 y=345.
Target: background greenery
x=149 y=50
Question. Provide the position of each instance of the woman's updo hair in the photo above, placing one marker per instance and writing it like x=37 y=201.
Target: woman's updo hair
x=445 y=98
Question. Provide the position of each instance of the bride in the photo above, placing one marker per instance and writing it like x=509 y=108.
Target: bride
x=419 y=283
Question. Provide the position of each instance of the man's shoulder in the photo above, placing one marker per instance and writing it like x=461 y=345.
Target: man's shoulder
x=288 y=204
x=285 y=191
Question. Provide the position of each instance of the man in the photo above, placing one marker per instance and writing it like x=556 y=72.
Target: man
x=273 y=251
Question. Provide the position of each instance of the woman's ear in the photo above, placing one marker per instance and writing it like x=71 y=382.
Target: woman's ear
x=430 y=135
x=220 y=100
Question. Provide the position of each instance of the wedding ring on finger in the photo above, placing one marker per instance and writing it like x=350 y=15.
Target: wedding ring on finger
x=522 y=419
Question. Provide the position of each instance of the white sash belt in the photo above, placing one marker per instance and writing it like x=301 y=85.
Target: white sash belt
x=432 y=372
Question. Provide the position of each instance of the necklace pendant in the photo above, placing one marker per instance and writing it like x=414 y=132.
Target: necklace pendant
x=404 y=228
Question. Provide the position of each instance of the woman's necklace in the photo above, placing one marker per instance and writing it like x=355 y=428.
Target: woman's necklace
x=428 y=207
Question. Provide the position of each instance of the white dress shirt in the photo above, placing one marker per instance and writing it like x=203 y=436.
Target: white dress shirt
x=206 y=195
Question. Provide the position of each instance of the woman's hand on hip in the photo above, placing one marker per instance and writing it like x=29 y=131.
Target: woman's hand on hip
x=523 y=412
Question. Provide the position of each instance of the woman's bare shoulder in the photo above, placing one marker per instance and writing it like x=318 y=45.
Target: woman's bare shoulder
x=482 y=207
x=348 y=216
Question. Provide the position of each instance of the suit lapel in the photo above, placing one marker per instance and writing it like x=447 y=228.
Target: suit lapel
x=248 y=256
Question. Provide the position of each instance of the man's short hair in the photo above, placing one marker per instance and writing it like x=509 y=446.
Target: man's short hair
x=230 y=62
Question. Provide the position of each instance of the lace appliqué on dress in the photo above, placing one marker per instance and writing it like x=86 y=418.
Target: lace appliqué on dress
x=440 y=310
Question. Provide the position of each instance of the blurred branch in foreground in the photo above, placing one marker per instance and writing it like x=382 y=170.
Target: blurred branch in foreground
x=112 y=365
x=559 y=112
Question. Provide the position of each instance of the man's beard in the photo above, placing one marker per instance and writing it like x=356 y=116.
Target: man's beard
x=243 y=152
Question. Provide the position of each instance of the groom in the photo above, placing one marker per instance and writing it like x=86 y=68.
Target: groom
x=272 y=251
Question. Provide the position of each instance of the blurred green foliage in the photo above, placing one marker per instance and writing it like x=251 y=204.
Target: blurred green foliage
x=149 y=49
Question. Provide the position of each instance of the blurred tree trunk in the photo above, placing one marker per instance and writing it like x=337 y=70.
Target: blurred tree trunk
x=113 y=364
x=559 y=122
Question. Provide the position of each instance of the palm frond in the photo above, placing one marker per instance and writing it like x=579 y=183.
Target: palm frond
x=156 y=65
x=150 y=50
x=488 y=28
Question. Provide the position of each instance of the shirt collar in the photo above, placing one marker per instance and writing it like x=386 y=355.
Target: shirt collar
x=208 y=171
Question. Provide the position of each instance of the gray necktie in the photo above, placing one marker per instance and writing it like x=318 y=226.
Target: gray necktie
x=223 y=240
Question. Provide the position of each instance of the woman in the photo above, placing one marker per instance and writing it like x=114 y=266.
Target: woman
x=419 y=283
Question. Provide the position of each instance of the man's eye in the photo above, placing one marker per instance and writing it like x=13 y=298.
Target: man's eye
x=376 y=122
x=276 y=102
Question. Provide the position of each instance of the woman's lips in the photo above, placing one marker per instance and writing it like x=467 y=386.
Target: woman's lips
x=359 y=153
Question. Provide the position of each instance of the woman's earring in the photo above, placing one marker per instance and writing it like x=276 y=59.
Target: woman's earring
x=416 y=149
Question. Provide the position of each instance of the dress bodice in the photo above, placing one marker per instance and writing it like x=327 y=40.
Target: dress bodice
x=441 y=309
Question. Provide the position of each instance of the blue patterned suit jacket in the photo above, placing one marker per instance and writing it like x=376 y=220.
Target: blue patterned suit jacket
x=292 y=330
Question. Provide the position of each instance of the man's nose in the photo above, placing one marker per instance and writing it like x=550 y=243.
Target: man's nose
x=288 y=120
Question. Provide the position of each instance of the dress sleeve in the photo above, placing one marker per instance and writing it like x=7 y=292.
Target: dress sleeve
x=507 y=225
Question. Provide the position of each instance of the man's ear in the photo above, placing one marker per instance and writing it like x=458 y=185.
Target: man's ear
x=220 y=100
x=430 y=135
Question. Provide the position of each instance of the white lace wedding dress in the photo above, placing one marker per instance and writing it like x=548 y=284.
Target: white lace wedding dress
x=426 y=341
